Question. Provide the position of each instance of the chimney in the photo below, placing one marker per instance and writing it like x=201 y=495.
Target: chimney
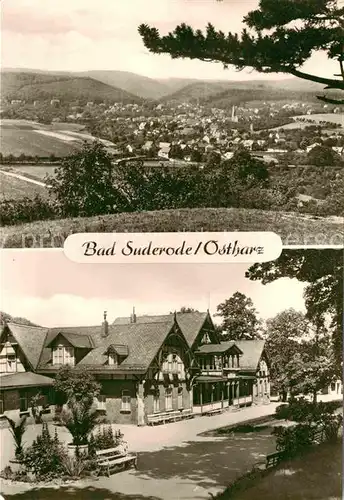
x=105 y=326
x=133 y=316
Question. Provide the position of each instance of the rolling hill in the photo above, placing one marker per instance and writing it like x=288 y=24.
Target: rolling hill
x=30 y=86
x=114 y=83
x=226 y=93
x=142 y=86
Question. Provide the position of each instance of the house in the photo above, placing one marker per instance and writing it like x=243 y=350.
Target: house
x=20 y=348
x=146 y=365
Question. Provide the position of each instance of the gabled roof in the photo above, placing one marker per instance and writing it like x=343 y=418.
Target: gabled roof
x=143 y=341
x=120 y=350
x=31 y=340
x=252 y=352
x=190 y=323
x=82 y=335
x=218 y=348
x=75 y=339
x=24 y=379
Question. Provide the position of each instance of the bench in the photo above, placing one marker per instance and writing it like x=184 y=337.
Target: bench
x=274 y=459
x=114 y=460
x=210 y=413
x=163 y=417
x=318 y=436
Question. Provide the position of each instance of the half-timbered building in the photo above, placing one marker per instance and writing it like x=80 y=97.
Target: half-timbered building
x=151 y=368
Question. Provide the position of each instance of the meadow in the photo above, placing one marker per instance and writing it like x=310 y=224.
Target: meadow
x=36 y=139
x=293 y=228
x=14 y=188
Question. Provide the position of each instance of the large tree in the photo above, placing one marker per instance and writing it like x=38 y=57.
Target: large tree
x=284 y=333
x=322 y=272
x=281 y=35
x=239 y=318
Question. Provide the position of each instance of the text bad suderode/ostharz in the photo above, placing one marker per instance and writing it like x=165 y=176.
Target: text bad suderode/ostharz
x=208 y=247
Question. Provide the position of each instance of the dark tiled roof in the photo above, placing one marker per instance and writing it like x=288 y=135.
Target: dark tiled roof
x=75 y=339
x=215 y=348
x=120 y=350
x=252 y=352
x=24 y=379
x=190 y=323
x=31 y=339
x=142 y=339
x=87 y=332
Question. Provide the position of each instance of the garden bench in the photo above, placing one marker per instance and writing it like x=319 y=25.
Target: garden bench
x=274 y=459
x=210 y=413
x=113 y=460
x=318 y=437
x=163 y=417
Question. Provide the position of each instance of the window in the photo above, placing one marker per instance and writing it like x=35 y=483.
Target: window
x=168 y=399
x=169 y=363
x=180 y=367
x=101 y=402
x=206 y=339
x=23 y=403
x=63 y=355
x=202 y=363
x=2 y=406
x=174 y=363
x=156 y=401
x=225 y=362
x=211 y=363
x=180 y=398
x=126 y=401
x=112 y=359
x=8 y=359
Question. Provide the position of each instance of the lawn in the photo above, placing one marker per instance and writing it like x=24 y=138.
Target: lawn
x=293 y=228
x=38 y=172
x=315 y=476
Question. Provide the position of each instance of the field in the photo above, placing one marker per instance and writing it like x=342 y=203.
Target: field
x=14 y=188
x=35 y=139
x=316 y=118
x=38 y=172
x=293 y=228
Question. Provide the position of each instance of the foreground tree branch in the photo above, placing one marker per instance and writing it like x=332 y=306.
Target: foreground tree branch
x=270 y=44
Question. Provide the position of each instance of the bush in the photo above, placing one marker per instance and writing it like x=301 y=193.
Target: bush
x=45 y=456
x=302 y=410
x=293 y=440
x=331 y=425
x=104 y=439
x=26 y=210
x=74 y=466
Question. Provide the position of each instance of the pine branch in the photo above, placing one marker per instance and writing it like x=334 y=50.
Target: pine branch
x=335 y=84
x=323 y=98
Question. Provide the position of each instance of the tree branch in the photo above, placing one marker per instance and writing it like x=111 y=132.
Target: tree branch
x=337 y=84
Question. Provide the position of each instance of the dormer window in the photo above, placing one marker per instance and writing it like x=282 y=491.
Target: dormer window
x=112 y=359
x=63 y=355
x=206 y=339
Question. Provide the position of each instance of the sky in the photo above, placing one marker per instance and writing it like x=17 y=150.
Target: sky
x=50 y=290
x=81 y=35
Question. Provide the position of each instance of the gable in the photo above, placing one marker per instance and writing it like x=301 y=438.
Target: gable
x=30 y=340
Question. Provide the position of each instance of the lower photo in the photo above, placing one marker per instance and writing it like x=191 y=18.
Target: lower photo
x=174 y=381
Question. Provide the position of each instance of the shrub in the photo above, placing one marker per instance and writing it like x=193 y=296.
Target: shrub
x=74 y=466
x=45 y=456
x=104 y=439
x=331 y=425
x=17 y=430
x=80 y=418
x=302 y=410
x=293 y=440
x=26 y=210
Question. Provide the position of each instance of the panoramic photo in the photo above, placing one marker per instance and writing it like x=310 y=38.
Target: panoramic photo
x=212 y=380
x=161 y=115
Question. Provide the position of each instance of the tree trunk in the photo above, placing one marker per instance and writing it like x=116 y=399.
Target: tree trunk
x=314 y=397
